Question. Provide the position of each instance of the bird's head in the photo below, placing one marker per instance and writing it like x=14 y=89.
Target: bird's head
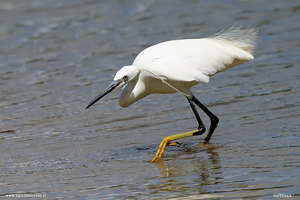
x=125 y=75
x=122 y=77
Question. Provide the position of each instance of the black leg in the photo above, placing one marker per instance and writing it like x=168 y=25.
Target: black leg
x=214 y=120
x=201 y=127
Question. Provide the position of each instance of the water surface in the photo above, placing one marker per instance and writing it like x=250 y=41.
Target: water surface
x=55 y=56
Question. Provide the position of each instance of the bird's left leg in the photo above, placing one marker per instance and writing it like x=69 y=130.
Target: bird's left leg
x=214 y=120
x=167 y=140
x=201 y=127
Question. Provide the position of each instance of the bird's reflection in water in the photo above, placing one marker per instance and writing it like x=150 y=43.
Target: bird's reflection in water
x=190 y=170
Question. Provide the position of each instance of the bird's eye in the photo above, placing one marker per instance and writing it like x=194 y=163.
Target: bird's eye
x=125 y=78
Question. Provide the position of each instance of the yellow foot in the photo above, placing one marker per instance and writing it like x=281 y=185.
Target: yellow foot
x=166 y=142
x=173 y=144
x=161 y=149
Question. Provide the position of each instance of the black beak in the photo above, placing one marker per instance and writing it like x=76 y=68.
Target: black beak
x=109 y=89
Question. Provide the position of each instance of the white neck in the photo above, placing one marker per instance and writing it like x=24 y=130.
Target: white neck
x=128 y=96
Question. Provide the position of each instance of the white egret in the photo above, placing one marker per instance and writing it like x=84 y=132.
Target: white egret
x=178 y=65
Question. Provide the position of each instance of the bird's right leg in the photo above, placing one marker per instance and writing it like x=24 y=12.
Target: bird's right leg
x=201 y=126
x=167 y=140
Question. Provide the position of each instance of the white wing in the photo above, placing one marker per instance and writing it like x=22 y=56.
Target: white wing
x=196 y=59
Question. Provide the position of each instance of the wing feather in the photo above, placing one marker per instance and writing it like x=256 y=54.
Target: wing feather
x=196 y=59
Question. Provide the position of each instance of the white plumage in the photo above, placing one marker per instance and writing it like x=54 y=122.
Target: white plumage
x=176 y=66
x=189 y=59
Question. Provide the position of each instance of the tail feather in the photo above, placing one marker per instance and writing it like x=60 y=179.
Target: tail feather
x=244 y=39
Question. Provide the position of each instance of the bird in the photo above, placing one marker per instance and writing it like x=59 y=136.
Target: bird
x=178 y=65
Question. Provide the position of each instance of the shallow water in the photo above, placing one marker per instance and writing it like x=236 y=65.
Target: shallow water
x=55 y=56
